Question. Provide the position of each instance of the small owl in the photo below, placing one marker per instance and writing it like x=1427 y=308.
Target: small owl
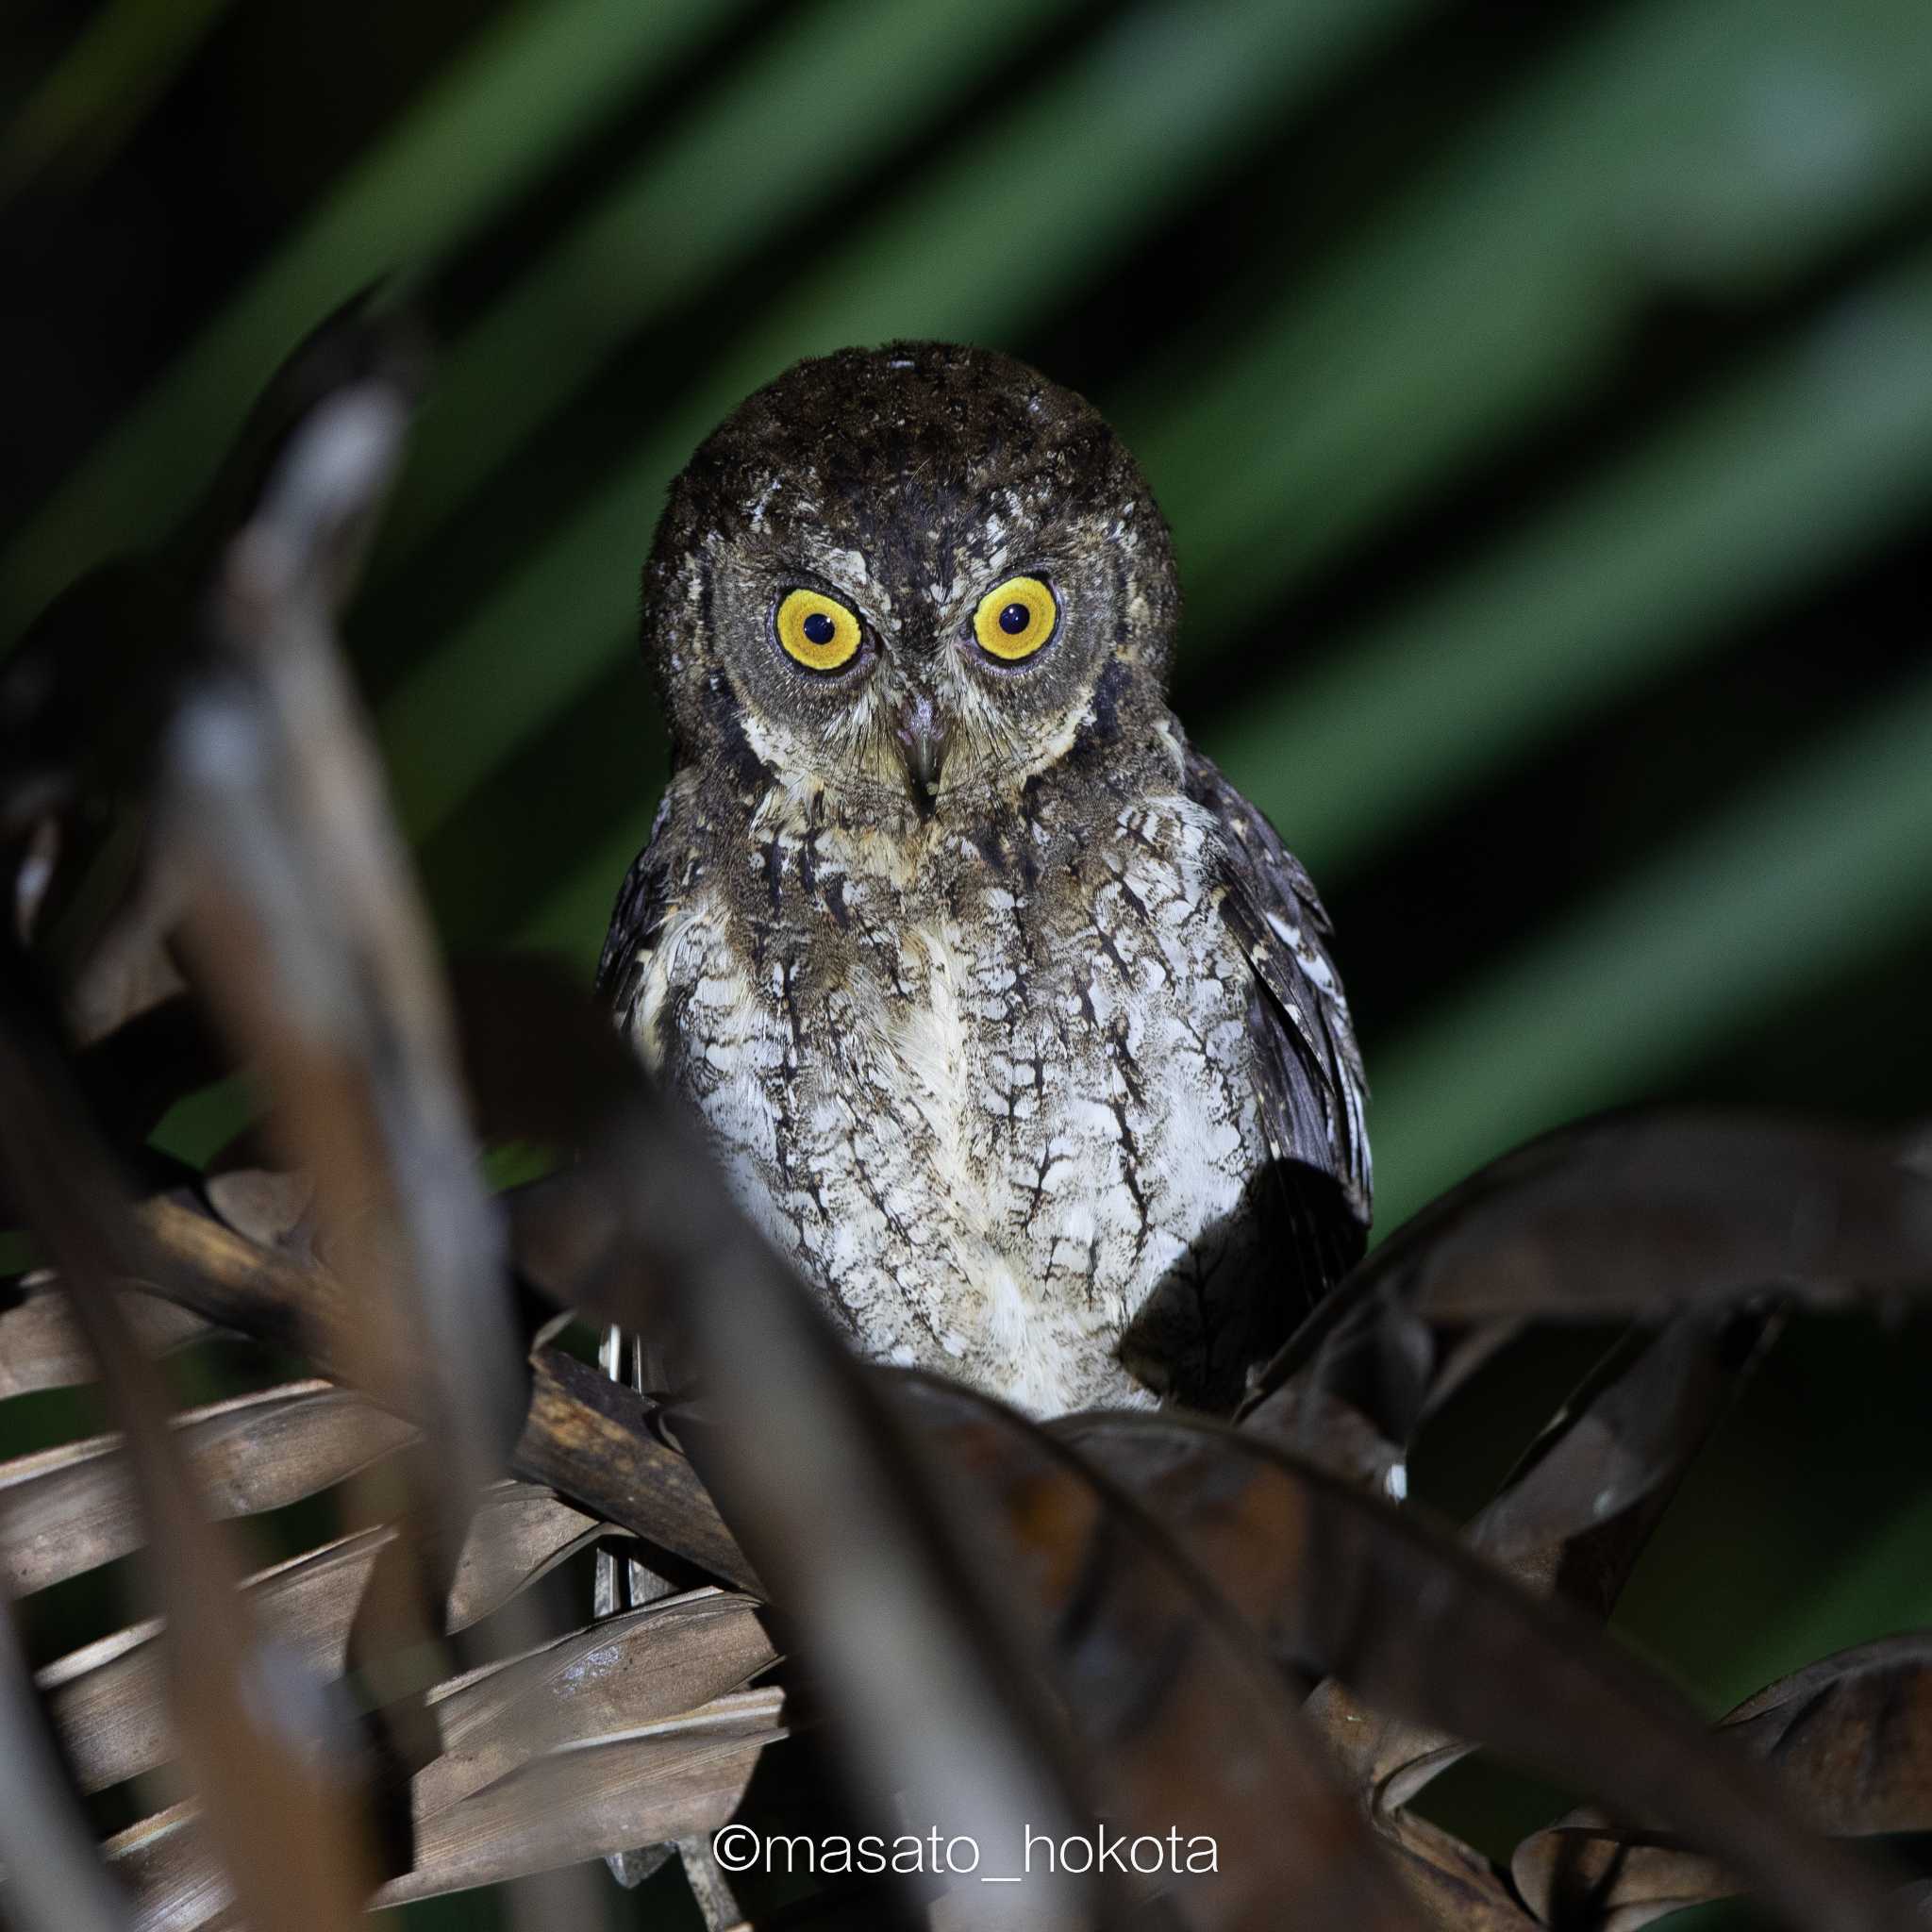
x=1012 y=1023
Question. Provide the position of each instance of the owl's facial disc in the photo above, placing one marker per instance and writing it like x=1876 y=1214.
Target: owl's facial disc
x=908 y=581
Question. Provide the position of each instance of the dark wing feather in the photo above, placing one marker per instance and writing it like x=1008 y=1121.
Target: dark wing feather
x=636 y=921
x=1308 y=1071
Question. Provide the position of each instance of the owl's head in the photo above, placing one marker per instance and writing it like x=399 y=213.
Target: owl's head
x=909 y=576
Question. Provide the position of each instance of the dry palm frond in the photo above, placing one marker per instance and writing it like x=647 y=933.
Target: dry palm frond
x=1232 y=1632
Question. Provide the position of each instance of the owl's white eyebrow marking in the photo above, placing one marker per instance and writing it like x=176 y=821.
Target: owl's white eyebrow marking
x=851 y=565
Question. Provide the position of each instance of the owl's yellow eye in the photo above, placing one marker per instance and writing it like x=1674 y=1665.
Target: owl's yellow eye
x=1014 y=620
x=817 y=630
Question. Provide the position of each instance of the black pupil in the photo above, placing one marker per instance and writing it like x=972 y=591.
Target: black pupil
x=819 y=628
x=1014 y=619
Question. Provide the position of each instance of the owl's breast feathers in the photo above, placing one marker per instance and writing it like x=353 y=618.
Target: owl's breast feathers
x=1070 y=1108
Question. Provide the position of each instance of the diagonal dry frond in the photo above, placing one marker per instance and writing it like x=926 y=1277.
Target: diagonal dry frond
x=165 y=1861
x=1457 y=1888
x=284 y=1808
x=68 y=1510
x=519 y=1531
x=302 y=931
x=108 y=1700
x=601 y=1789
x=1637 y=1426
x=47 y=1852
x=1627 y=1216
x=1187 y=1722
x=195 y=1259
x=42 y=1348
x=1574 y=1518
x=1848 y=1739
x=1642 y=1214
x=272 y=1208
x=1343 y=1583
x=306 y=936
x=596 y=1439
x=643 y=1784
x=634 y=1669
x=582 y=1433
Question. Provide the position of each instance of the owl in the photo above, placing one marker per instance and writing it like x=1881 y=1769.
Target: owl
x=1012 y=1023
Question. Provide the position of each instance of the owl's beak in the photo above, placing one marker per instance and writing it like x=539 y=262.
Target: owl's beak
x=923 y=733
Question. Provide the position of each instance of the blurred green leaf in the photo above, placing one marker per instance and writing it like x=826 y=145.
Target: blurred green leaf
x=1816 y=871
x=829 y=94
x=1707 y=152
x=1822 y=446
x=117 y=67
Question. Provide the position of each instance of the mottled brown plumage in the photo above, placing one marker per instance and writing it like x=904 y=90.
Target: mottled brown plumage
x=1011 y=1021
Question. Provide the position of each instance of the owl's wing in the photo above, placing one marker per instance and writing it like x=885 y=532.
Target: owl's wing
x=1310 y=1071
x=636 y=921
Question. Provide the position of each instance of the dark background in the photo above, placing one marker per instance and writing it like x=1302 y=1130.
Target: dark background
x=1541 y=396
